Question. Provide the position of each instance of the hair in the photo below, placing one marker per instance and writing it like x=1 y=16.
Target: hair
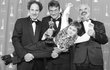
x=35 y=2
x=76 y=24
x=53 y=3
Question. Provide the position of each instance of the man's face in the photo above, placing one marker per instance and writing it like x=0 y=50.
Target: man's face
x=54 y=12
x=34 y=11
x=84 y=11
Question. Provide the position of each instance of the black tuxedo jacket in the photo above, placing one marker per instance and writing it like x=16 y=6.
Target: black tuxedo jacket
x=24 y=40
x=63 y=57
x=92 y=48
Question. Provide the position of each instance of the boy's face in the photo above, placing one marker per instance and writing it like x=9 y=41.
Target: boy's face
x=72 y=30
x=54 y=12
x=34 y=11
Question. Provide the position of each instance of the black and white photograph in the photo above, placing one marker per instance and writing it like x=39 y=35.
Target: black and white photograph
x=54 y=35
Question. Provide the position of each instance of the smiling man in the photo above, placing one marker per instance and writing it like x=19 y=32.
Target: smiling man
x=62 y=62
x=25 y=36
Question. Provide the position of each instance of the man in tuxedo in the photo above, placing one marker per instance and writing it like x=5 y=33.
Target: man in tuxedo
x=62 y=62
x=88 y=53
x=26 y=34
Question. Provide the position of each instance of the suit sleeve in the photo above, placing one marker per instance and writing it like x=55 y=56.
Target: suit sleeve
x=43 y=50
x=41 y=54
x=16 y=39
x=100 y=33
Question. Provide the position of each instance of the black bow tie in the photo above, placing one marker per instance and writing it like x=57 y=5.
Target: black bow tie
x=34 y=21
x=54 y=20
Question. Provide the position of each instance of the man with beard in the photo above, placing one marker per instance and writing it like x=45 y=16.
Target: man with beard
x=88 y=53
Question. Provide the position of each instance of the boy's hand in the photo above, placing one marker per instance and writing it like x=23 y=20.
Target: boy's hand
x=54 y=55
x=69 y=5
x=28 y=57
x=7 y=59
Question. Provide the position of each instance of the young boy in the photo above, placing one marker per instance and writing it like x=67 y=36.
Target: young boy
x=65 y=38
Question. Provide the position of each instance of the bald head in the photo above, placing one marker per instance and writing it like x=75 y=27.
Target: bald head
x=84 y=6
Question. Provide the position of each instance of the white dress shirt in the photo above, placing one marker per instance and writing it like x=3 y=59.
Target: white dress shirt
x=34 y=26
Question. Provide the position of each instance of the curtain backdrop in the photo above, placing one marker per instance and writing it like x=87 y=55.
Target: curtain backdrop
x=10 y=10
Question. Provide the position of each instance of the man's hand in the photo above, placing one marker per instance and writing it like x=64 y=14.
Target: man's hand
x=28 y=57
x=91 y=32
x=48 y=33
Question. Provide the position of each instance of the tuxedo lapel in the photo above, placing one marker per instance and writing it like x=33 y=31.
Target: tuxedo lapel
x=57 y=29
x=36 y=37
x=82 y=30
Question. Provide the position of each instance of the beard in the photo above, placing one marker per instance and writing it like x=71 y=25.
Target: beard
x=84 y=16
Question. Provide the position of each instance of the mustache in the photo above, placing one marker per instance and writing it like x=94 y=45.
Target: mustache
x=84 y=13
x=34 y=14
x=53 y=14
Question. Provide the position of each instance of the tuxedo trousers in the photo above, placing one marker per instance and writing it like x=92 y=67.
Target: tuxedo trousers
x=86 y=65
x=36 y=64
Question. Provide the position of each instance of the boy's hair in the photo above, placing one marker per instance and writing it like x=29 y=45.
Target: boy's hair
x=53 y=3
x=76 y=24
x=36 y=2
